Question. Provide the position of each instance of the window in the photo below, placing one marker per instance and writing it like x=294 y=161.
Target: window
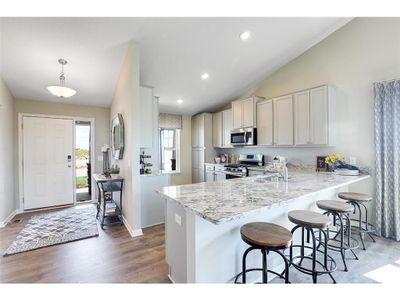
x=169 y=146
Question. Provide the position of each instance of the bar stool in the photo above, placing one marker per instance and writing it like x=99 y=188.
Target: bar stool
x=358 y=200
x=340 y=211
x=265 y=237
x=309 y=221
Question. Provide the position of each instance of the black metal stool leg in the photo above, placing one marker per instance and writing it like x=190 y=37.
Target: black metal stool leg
x=244 y=263
x=342 y=249
x=264 y=266
x=314 y=254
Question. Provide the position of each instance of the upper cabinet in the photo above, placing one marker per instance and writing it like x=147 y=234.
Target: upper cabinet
x=244 y=112
x=265 y=123
x=217 y=129
x=222 y=126
x=302 y=117
x=283 y=121
x=314 y=117
x=226 y=128
x=202 y=130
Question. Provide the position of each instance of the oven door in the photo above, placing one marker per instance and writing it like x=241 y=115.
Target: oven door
x=232 y=175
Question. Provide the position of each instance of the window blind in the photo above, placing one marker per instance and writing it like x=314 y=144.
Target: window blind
x=170 y=121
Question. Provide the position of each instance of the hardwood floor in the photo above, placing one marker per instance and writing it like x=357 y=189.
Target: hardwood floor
x=114 y=256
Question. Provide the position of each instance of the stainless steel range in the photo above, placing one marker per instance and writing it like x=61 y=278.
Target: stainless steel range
x=240 y=169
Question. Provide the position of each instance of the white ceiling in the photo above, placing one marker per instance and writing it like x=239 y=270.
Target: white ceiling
x=174 y=54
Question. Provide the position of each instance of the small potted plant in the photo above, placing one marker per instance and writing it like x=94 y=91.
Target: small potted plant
x=332 y=161
x=114 y=169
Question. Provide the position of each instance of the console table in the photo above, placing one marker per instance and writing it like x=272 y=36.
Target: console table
x=109 y=211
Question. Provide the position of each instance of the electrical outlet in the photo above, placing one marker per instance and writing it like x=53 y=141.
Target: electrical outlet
x=353 y=160
x=178 y=219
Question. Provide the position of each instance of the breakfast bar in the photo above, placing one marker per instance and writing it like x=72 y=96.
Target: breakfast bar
x=203 y=243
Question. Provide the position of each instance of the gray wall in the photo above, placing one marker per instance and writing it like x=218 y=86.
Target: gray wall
x=7 y=200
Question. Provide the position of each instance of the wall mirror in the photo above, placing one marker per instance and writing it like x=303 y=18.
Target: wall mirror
x=117 y=137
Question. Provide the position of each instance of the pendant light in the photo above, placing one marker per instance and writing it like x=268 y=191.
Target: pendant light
x=61 y=90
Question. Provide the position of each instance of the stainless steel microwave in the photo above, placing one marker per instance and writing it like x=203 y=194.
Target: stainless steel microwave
x=244 y=136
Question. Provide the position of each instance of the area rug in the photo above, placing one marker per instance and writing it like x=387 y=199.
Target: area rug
x=55 y=228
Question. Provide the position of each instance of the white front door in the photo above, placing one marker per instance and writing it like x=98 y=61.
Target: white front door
x=47 y=162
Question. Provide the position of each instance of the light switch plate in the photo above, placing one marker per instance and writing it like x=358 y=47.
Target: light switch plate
x=178 y=219
x=353 y=160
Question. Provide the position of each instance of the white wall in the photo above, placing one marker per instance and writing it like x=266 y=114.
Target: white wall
x=127 y=102
x=362 y=52
x=7 y=152
x=185 y=175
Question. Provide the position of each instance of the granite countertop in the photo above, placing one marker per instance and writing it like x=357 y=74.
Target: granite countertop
x=226 y=200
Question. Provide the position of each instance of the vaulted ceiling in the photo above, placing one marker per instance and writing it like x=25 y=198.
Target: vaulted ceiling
x=175 y=52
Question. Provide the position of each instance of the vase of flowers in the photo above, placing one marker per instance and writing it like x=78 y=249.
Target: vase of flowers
x=333 y=160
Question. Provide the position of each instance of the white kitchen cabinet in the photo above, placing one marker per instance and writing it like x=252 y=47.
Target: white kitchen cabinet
x=313 y=117
x=222 y=126
x=198 y=175
x=283 y=121
x=244 y=112
x=302 y=117
x=217 y=129
x=237 y=114
x=219 y=176
x=146 y=117
x=202 y=144
x=265 y=123
x=226 y=128
x=319 y=116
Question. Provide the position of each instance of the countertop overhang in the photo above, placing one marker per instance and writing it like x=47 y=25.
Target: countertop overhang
x=222 y=201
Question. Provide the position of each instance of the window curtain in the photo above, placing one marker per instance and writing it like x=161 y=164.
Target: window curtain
x=387 y=144
x=170 y=121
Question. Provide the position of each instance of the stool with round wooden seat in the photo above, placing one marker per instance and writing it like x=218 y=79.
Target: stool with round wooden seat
x=340 y=211
x=358 y=200
x=311 y=222
x=265 y=237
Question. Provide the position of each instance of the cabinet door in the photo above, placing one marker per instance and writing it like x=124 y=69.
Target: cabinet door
x=237 y=114
x=283 y=121
x=265 y=123
x=219 y=176
x=319 y=116
x=209 y=176
x=217 y=129
x=227 y=127
x=195 y=133
x=302 y=118
x=146 y=117
x=248 y=113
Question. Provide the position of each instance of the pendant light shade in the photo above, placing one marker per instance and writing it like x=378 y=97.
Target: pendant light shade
x=61 y=90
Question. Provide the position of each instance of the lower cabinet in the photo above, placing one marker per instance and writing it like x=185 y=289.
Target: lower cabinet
x=218 y=176
x=197 y=175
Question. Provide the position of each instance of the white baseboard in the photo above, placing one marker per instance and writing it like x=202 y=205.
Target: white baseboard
x=151 y=225
x=8 y=219
x=133 y=233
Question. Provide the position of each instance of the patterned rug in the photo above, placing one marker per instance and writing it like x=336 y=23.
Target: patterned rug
x=55 y=228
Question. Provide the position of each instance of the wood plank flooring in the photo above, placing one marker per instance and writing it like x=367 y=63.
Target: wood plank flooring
x=114 y=257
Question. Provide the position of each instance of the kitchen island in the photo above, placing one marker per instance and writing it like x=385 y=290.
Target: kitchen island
x=203 y=243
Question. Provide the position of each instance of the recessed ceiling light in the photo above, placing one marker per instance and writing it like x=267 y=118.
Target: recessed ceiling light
x=205 y=76
x=179 y=101
x=244 y=35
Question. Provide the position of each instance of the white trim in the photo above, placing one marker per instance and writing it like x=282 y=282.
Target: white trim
x=171 y=278
x=151 y=225
x=133 y=233
x=20 y=152
x=8 y=219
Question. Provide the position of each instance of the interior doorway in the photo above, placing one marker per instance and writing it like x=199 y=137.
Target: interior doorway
x=83 y=186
